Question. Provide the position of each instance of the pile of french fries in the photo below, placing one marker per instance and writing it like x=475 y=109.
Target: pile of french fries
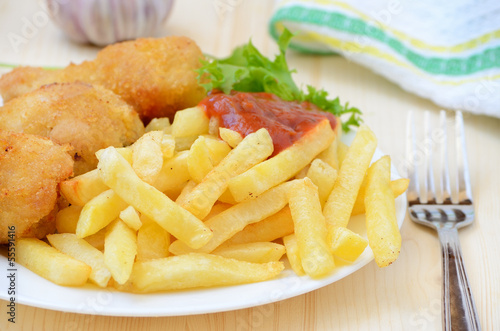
x=191 y=204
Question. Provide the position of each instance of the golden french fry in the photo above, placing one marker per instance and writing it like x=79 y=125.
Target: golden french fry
x=227 y=197
x=119 y=175
x=167 y=146
x=323 y=176
x=232 y=138
x=126 y=152
x=152 y=241
x=253 y=149
x=159 y=124
x=218 y=208
x=303 y=173
x=269 y=229
x=341 y=152
x=81 y=189
x=381 y=223
x=181 y=199
x=130 y=217
x=339 y=205
x=190 y=122
x=174 y=174
x=292 y=253
x=234 y=219
x=67 y=219
x=120 y=249
x=217 y=148
x=283 y=166
x=345 y=244
x=147 y=157
x=257 y=252
x=310 y=229
x=97 y=239
x=199 y=270
x=330 y=155
x=99 y=212
x=81 y=250
x=184 y=143
x=198 y=162
x=49 y=263
x=398 y=187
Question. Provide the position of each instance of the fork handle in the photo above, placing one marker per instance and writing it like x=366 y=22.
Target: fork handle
x=459 y=310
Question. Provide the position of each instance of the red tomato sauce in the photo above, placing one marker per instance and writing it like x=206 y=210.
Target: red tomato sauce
x=286 y=121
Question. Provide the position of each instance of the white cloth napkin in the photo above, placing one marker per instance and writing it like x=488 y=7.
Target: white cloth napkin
x=446 y=51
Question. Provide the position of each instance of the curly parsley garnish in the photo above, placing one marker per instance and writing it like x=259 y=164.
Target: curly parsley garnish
x=247 y=70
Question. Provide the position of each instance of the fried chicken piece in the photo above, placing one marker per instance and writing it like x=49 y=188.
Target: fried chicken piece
x=156 y=76
x=31 y=168
x=87 y=117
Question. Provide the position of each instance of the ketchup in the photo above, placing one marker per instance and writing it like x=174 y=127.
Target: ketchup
x=286 y=121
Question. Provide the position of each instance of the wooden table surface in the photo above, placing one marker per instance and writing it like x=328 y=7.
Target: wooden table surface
x=404 y=296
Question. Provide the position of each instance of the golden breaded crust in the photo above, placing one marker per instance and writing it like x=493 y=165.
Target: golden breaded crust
x=87 y=117
x=31 y=168
x=156 y=76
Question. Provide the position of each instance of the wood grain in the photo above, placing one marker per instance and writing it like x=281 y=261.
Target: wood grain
x=404 y=296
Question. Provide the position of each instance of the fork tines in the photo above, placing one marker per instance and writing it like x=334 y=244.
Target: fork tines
x=420 y=152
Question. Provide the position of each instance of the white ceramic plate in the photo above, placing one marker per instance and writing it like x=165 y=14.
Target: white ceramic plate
x=35 y=291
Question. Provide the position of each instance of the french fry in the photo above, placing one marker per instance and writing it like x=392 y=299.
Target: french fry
x=147 y=157
x=341 y=152
x=130 y=217
x=227 y=197
x=339 y=205
x=330 y=155
x=381 y=223
x=234 y=219
x=181 y=199
x=310 y=229
x=184 y=143
x=198 y=270
x=257 y=252
x=152 y=241
x=283 y=166
x=159 y=124
x=120 y=249
x=198 y=162
x=253 y=149
x=190 y=122
x=174 y=174
x=81 y=250
x=269 y=229
x=81 y=189
x=292 y=253
x=119 y=175
x=232 y=138
x=67 y=219
x=346 y=245
x=217 y=148
x=167 y=146
x=218 y=208
x=323 y=176
x=97 y=239
x=99 y=212
x=398 y=187
x=49 y=263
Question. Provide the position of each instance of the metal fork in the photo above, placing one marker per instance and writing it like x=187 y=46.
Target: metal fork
x=441 y=211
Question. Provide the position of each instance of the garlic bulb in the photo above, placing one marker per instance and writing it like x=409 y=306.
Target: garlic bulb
x=103 y=22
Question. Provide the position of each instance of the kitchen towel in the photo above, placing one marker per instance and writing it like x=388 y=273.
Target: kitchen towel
x=445 y=51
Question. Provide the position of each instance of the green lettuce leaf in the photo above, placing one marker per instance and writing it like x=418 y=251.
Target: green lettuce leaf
x=247 y=70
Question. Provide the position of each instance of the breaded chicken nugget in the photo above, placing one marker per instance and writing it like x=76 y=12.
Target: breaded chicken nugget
x=87 y=117
x=156 y=76
x=31 y=168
